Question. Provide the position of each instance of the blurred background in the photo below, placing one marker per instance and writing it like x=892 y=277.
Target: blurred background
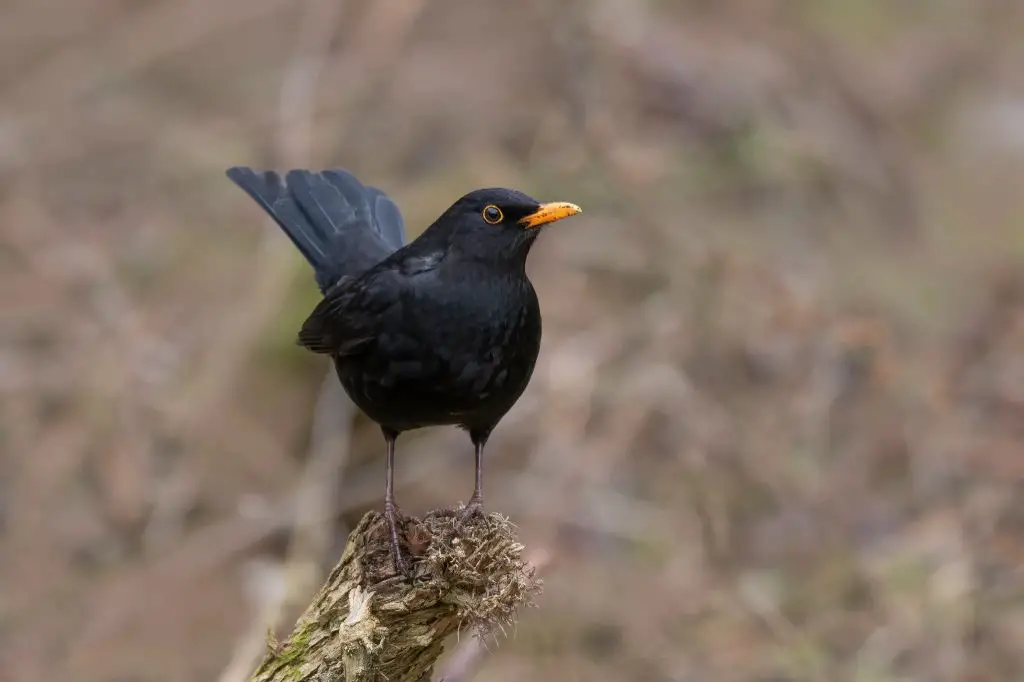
x=776 y=432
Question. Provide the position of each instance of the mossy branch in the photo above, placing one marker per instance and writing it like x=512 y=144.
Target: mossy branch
x=369 y=624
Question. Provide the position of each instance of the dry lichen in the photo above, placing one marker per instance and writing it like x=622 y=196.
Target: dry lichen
x=480 y=565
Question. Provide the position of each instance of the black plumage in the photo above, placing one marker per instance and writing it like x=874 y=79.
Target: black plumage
x=444 y=330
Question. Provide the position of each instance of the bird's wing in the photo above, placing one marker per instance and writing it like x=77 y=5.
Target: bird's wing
x=348 y=317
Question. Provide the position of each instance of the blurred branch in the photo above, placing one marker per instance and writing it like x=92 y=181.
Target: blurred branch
x=297 y=101
x=334 y=413
x=129 y=45
x=377 y=45
x=313 y=522
x=368 y=624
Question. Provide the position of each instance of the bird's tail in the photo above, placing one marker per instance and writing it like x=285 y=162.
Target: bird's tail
x=341 y=226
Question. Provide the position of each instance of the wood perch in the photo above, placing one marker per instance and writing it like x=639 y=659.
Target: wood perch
x=368 y=624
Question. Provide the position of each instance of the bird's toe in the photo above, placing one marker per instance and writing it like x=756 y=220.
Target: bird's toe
x=473 y=510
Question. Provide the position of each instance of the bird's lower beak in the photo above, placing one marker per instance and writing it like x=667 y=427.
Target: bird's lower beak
x=549 y=213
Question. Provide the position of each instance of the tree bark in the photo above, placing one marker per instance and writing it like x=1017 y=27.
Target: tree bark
x=367 y=624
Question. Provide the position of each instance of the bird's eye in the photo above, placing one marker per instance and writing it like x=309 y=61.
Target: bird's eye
x=493 y=214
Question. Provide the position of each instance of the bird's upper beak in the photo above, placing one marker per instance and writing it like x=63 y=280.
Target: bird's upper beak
x=549 y=213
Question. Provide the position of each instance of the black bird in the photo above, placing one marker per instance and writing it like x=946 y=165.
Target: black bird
x=444 y=330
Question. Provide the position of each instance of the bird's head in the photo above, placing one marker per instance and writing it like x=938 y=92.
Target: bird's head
x=498 y=224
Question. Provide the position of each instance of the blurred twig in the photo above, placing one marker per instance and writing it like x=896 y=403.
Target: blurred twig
x=334 y=412
x=312 y=528
x=130 y=44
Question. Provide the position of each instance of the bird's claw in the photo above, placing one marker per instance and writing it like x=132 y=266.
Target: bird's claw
x=401 y=565
x=475 y=509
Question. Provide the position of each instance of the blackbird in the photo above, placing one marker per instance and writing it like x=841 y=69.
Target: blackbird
x=444 y=330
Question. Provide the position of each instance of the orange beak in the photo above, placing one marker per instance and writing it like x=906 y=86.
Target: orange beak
x=549 y=213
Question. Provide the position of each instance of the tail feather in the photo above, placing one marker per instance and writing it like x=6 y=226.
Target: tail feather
x=339 y=225
x=387 y=217
x=268 y=190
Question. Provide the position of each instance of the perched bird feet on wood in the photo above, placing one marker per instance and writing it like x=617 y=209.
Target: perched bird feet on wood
x=392 y=514
x=473 y=510
x=475 y=507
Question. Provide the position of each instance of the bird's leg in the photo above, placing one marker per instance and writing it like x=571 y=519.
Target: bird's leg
x=390 y=508
x=475 y=507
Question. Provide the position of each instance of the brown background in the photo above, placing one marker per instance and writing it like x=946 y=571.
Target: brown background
x=777 y=429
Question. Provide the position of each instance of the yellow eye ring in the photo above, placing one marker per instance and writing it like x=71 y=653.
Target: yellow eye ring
x=492 y=214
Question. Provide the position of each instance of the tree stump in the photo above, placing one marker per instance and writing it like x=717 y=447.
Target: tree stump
x=368 y=624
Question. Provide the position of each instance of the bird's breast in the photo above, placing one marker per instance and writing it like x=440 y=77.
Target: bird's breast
x=464 y=357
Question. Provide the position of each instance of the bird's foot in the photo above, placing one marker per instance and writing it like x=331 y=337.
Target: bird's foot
x=474 y=509
x=391 y=513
